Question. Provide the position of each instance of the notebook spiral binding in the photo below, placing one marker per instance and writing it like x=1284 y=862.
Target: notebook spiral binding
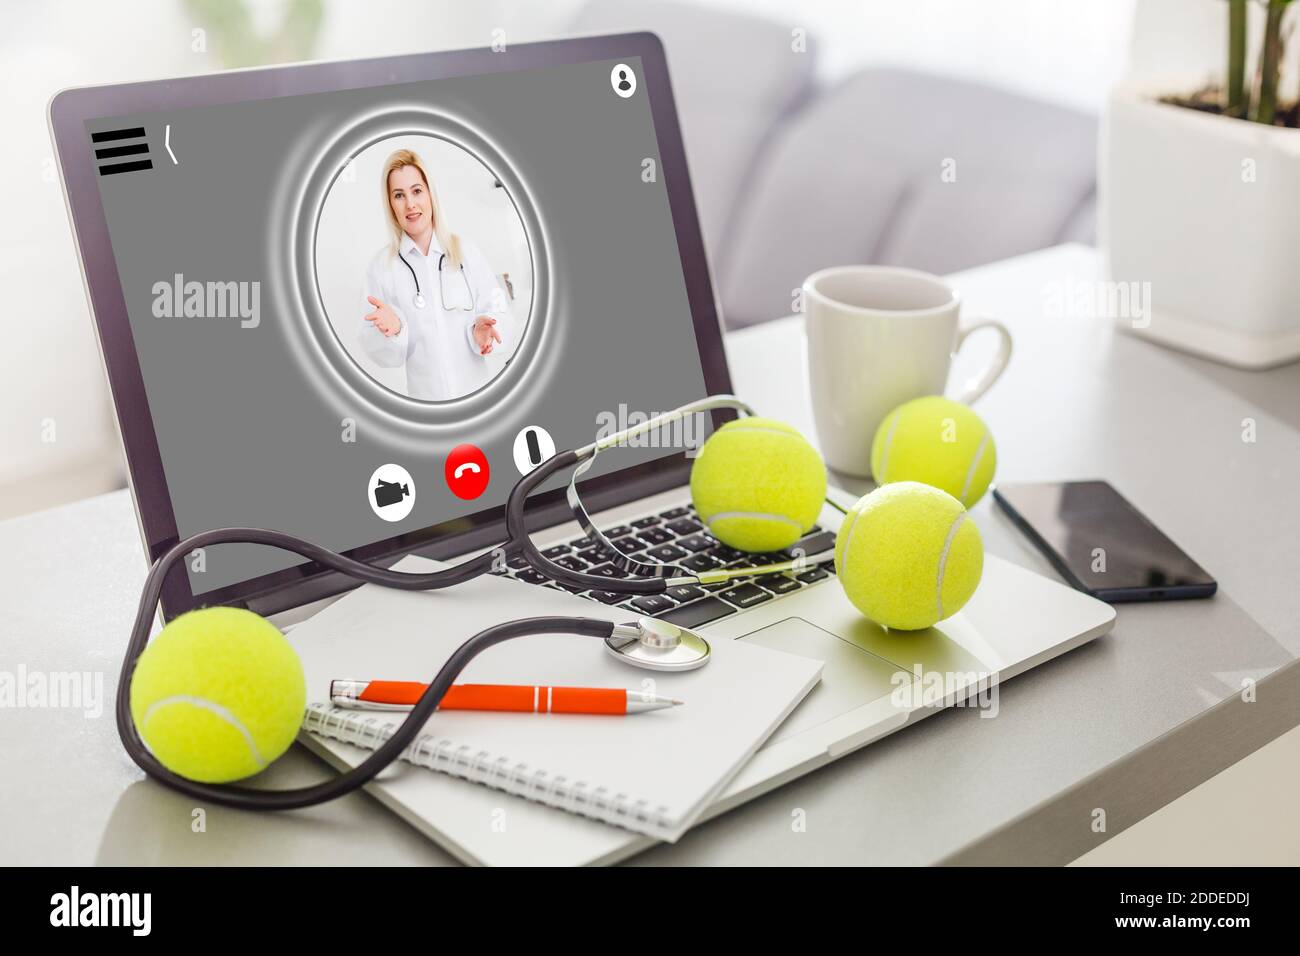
x=500 y=773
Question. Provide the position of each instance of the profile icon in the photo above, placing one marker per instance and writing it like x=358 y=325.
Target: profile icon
x=623 y=80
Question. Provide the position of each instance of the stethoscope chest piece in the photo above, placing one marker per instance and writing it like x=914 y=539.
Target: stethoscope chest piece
x=419 y=300
x=658 y=646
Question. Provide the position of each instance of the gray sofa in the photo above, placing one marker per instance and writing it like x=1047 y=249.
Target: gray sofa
x=886 y=166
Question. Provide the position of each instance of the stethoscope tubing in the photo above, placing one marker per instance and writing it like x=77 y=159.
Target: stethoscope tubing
x=254 y=799
x=646 y=579
x=517 y=540
x=442 y=291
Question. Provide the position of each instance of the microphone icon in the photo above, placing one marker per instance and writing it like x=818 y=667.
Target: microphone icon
x=533 y=445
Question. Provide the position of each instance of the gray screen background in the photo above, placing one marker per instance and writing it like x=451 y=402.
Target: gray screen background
x=244 y=441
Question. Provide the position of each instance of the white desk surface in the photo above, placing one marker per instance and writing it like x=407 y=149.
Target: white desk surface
x=1125 y=724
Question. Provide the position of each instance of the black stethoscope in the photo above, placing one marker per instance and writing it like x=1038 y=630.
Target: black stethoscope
x=419 y=300
x=648 y=643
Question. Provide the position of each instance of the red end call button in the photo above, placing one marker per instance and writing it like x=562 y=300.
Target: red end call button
x=467 y=472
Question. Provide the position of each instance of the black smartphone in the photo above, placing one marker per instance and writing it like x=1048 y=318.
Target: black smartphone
x=1101 y=544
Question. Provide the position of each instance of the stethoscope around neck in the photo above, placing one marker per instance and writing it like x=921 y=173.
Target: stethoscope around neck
x=419 y=301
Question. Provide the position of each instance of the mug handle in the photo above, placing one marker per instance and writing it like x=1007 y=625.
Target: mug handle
x=976 y=386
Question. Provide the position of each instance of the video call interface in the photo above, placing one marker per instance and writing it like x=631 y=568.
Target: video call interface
x=368 y=312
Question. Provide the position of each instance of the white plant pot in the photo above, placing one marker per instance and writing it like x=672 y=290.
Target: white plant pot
x=1200 y=217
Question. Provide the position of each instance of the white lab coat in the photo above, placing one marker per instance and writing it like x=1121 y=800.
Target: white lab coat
x=436 y=344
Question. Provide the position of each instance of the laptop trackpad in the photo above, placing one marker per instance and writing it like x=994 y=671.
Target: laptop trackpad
x=852 y=677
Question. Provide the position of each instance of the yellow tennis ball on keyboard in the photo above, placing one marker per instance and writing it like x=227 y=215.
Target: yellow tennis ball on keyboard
x=758 y=484
x=908 y=555
x=218 y=694
x=936 y=441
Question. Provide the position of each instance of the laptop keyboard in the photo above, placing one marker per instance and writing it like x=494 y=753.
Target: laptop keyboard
x=676 y=536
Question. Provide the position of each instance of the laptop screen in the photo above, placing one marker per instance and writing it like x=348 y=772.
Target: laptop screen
x=362 y=312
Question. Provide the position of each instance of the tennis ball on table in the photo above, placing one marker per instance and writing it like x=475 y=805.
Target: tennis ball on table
x=936 y=441
x=908 y=555
x=218 y=694
x=758 y=484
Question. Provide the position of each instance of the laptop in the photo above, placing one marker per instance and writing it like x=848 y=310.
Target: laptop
x=356 y=301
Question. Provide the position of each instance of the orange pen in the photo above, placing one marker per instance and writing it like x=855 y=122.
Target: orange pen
x=403 y=695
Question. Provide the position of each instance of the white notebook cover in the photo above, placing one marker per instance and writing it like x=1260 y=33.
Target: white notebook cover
x=674 y=761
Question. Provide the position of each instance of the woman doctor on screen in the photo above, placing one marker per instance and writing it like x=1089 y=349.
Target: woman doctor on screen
x=455 y=330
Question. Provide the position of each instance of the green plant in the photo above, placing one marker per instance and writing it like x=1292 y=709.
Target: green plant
x=1237 y=102
x=1270 y=62
x=1237 y=99
x=238 y=44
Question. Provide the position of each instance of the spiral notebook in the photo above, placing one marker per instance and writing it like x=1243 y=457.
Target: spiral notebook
x=436 y=752
x=652 y=773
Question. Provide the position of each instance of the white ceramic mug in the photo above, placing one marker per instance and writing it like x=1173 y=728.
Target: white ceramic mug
x=877 y=337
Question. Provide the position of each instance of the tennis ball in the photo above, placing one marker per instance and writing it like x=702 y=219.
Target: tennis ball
x=758 y=484
x=908 y=555
x=936 y=441
x=218 y=694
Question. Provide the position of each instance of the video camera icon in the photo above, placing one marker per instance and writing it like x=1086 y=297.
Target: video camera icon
x=391 y=492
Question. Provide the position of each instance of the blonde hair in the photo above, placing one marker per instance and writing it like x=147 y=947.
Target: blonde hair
x=447 y=240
